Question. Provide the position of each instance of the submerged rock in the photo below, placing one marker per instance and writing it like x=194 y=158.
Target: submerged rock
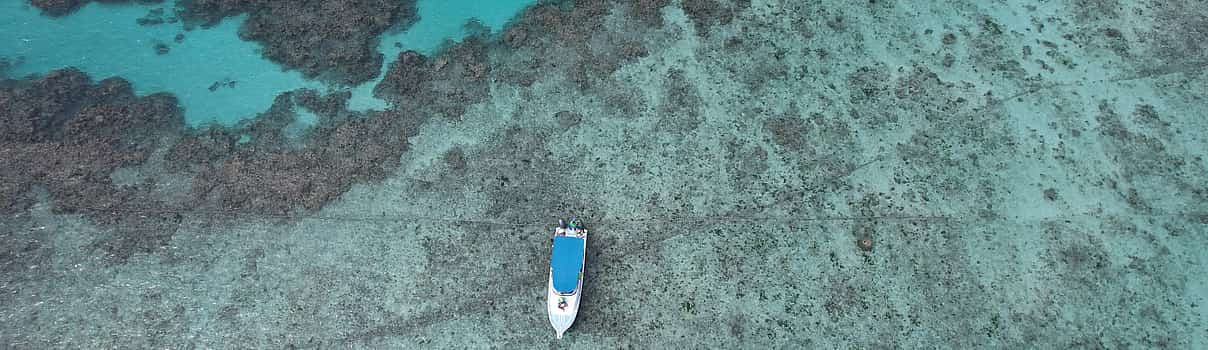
x=154 y=17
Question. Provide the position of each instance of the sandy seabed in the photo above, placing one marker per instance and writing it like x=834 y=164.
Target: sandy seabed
x=1030 y=175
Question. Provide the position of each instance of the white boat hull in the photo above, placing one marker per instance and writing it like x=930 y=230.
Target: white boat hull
x=563 y=317
x=564 y=307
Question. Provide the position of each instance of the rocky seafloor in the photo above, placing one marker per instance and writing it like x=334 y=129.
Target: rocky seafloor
x=1026 y=175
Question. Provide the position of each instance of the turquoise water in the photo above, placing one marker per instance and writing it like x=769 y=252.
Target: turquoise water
x=439 y=21
x=755 y=175
x=106 y=40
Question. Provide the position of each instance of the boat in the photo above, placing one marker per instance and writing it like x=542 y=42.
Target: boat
x=568 y=255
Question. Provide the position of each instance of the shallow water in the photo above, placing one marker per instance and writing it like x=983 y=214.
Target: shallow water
x=107 y=40
x=756 y=174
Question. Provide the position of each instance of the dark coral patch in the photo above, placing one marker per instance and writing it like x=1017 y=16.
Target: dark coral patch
x=201 y=147
x=445 y=84
x=1178 y=36
x=70 y=136
x=680 y=110
x=266 y=174
x=335 y=41
x=67 y=135
x=789 y=132
x=550 y=39
x=707 y=13
x=648 y=11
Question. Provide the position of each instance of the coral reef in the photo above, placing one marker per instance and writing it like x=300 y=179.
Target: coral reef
x=266 y=174
x=549 y=38
x=708 y=13
x=444 y=85
x=67 y=135
x=1006 y=184
x=72 y=137
x=335 y=41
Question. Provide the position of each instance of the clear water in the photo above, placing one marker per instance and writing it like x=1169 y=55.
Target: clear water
x=763 y=174
x=106 y=41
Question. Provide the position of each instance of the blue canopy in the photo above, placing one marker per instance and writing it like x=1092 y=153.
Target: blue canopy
x=566 y=262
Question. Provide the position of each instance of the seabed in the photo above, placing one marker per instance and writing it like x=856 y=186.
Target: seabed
x=1026 y=174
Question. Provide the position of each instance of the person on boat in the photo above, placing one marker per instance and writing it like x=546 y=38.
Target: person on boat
x=574 y=226
x=565 y=227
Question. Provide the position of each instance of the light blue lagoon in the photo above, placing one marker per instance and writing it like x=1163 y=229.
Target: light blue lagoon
x=217 y=77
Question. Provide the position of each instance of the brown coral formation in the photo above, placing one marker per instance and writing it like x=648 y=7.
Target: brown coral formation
x=267 y=174
x=67 y=134
x=70 y=136
x=335 y=41
x=555 y=39
x=448 y=83
x=708 y=13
